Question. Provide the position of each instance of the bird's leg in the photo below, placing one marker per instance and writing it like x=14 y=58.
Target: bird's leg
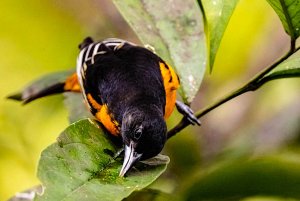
x=187 y=112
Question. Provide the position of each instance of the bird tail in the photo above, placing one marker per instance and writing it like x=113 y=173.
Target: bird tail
x=34 y=92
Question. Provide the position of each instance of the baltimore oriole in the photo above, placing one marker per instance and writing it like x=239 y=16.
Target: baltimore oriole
x=130 y=90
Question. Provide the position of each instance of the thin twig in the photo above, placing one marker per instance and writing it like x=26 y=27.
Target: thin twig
x=251 y=85
x=293 y=45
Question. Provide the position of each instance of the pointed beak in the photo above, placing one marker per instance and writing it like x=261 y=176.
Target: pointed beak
x=130 y=157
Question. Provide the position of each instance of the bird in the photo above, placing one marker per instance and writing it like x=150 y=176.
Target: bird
x=130 y=90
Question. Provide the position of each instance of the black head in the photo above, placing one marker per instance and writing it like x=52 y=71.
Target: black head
x=144 y=134
x=87 y=41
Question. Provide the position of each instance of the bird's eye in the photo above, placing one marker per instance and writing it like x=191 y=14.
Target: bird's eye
x=137 y=133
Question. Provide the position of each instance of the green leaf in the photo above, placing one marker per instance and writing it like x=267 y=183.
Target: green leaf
x=81 y=166
x=175 y=29
x=217 y=14
x=40 y=84
x=289 y=14
x=150 y=195
x=76 y=107
x=268 y=176
x=28 y=194
x=287 y=69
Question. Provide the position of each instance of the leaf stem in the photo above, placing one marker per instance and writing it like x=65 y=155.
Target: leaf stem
x=293 y=45
x=251 y=85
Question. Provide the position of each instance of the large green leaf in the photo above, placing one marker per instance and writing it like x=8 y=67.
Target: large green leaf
x=289 y=14
x=287 y=69
x=81 y=166
x=269 y=176
x=151 y=195
x=76 y=107
x=175 y=29
x=217 y=14
x=28 y=194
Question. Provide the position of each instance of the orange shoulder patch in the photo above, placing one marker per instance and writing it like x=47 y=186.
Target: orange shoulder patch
x=171 y=84
x=93 y=102
x=72 y=83
x=108 y=121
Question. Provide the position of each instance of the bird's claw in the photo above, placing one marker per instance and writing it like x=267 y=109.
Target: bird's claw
x=187 y=112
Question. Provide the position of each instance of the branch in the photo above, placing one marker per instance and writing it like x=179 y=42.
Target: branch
x=251 y=85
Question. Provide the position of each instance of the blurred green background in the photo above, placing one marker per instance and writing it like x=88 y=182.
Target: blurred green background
x=39 y=37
